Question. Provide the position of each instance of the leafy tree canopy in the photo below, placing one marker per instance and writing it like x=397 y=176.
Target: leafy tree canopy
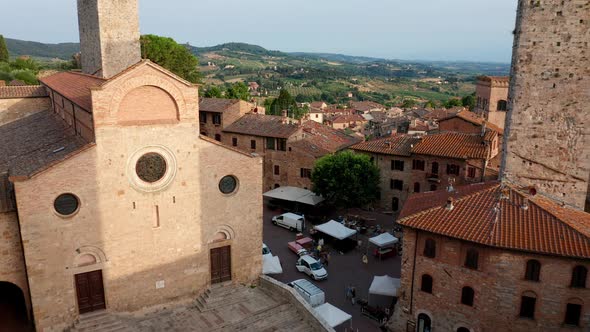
x=213 y=92
x=408 y=103
x=453 y=102
x=171 y=55
x=238 y=90
x=469 y=101
x=3 y=50
x=283 y=102
x=346 y=179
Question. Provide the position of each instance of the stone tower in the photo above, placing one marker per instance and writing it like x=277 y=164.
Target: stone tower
x=548 y=132
x=109 y=36
x=492 y=97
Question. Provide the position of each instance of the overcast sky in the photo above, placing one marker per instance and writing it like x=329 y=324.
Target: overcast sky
x=474 y=30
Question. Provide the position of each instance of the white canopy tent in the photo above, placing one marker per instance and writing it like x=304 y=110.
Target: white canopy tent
x=384 y=240
x=271 y=265
x=385 y=286
x=294 y=194
x=336 y=230
x=332 y=315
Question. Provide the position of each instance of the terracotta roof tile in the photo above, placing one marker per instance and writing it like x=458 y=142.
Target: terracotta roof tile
x=26 y=91
x=366 y=105
x=453 y=145
x=216 y=104
x=481 y=215
x=321 y=140
x=262 y=125
x=74 y=86
x=33 y=142
x=399 y=145
x=348 y=118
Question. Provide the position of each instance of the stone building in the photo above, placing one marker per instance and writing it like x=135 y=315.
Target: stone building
x=492 y=257
x=111 y=198
x=548 y=103
x=218 y=113
x=289 y=148
x=514 y=255
x=491 y=94
x=411 y=164
x=18 y=101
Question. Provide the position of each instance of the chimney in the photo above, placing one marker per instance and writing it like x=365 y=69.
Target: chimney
x=109 y=36
x=450 y=206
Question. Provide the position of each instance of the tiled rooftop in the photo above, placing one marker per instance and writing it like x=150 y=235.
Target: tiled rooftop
x=453 y=145
x=74 y=86
x=216 y=104
x=501 y=216
x=263 y=125
x=22 y=91
x=473 y=118
x=321 y=140
x=31 y=143
x=399 y=145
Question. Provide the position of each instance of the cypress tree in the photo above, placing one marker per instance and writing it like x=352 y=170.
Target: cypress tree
x=3 y=50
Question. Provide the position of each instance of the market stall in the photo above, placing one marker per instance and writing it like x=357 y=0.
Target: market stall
x=340 y=233
x=332 y=315
x=382 y=291
x=386 y=245
x=294 y=194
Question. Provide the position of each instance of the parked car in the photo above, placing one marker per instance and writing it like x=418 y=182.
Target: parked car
x=310 y=292
x=290 y=221
x=311 y=267
x=266 y=250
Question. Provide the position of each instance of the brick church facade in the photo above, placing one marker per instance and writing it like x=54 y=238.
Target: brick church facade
x=111 y=198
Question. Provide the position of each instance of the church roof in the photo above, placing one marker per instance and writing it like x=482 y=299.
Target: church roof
x=263 y=126
x=74 y=86
x=34 y=142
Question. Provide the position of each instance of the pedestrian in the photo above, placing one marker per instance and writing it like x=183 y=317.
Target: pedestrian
x=348 y=292
x=353 y=295
x=327 y=259
x=365 y=259
x=321 y=242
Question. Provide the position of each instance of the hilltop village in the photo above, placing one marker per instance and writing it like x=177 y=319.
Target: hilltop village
x=131 y=202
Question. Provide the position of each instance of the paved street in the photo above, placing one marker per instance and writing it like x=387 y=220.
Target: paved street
x=342 y=270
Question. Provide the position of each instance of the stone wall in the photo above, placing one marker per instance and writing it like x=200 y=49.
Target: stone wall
x=17 y=108
x=498 y=284
x=547 y=141
x=109 y=36
x=12 y=264
x=151 y=241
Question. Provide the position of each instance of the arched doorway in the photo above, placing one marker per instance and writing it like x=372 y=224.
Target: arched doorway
x=13 y=309
x=424 y=323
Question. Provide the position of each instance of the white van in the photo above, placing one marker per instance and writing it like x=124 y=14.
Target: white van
x=310 y=292
x=311 y=267
x=291 y=221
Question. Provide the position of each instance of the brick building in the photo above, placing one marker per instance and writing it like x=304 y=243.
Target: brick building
x=289 y=149
x=218 y=113
x=111 y=199
x=491 y=93
x=513 y=255
x=411 y=164
x=491 y=257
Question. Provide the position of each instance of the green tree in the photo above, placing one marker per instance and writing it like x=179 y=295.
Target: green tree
x=3 y=50
x=346 y=179
x=238 y=90
x=469 y=101
x=453 y=102
x=214 y=92
x=170 y=55
x=430 y=104
x=408 y=103
x=283 y=102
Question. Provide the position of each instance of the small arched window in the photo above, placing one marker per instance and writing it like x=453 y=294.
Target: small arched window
x=426 y=285
x=533 y=270
x=416 y=187
x=528 y=301
x=502 y=105
x=435 y=168
x=471 y=259
x=467 y=295
x=579 y=275
x=218 y=137
x=430 y=248
x=573 y=311
x=463 y=329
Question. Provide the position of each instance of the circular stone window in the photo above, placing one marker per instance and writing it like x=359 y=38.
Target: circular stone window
x=228 y=184
x=151 y=167
x=66 y=204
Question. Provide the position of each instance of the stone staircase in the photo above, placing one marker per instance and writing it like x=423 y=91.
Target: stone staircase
x=283 y=317
x=101 y=321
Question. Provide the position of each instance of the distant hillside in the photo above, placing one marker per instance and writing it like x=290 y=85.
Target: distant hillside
x=335 y=57
x=237 y=47
x=21 y=47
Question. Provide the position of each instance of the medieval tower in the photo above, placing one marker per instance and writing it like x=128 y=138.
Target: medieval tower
x=109 y=36
x=548 y=135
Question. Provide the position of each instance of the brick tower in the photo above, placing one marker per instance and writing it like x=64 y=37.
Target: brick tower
x=548 y=135
x=109 y=36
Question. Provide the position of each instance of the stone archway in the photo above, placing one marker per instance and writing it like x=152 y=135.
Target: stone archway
x=13 y=308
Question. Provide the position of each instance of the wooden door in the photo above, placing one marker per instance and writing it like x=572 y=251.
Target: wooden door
x=220 y=264
x=90 y=291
